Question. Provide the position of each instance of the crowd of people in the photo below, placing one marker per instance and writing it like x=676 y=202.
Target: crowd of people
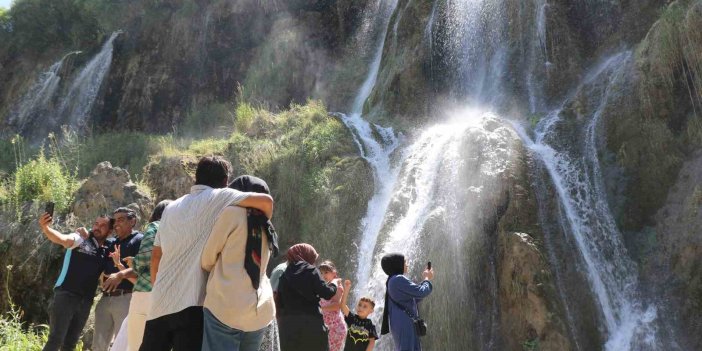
x=196 y=280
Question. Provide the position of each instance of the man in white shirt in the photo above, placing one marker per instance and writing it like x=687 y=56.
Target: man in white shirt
x=175 y=320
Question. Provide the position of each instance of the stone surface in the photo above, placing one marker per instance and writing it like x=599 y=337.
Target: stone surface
x=106 y=189
x=171 y=177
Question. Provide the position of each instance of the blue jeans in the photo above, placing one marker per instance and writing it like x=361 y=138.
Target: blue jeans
x=218 y=336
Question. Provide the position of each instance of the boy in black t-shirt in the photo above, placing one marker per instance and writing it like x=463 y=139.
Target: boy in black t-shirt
x=362 y=334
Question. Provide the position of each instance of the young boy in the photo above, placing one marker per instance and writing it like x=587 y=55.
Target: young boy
x=362 y=333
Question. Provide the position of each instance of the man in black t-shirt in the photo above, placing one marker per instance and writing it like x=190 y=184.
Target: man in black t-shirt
x=362 y=334
x=113 y=306
x=75 y=288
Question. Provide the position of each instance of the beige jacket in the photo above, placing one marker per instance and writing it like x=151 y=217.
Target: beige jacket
x=230 y=295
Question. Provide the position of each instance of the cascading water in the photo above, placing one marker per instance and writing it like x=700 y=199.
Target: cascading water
x=376 y=152
x=37 y=100
x=81 y=96
x=629 y=323
x=477 y=37
x=538 y=58
x=447 y=175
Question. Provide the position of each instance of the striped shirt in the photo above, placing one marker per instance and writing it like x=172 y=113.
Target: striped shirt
x=185 y=227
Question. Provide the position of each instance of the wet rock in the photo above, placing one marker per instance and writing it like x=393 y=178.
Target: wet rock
x=674 y=268
x=524 y=279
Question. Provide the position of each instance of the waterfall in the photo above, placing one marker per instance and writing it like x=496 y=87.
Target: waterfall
x=538 y=58
x=447 y=176
x=81 y=96
x=375 y=144
x=477 y=39
x=575 y=173
x=38 y=98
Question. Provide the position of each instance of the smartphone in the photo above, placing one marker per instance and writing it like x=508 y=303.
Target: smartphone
x=429 y=265
x=49 y=208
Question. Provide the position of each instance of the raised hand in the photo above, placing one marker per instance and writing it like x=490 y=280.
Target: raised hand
x=428 y=274
x=83 y=233
x=116 y=257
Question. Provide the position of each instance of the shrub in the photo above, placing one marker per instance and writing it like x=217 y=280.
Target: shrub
x=245 y=115
x=43 y=179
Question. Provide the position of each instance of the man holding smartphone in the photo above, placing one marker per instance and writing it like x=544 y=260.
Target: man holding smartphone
x=75 y=288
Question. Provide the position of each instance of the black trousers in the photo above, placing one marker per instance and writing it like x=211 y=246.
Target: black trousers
x=181 y=331
x=67 y=317
x=303 y=333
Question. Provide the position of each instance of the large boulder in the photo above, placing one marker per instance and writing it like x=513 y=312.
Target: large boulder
x=171 y=177
x=106 y=189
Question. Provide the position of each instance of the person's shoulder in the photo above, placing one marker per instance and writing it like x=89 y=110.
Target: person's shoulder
x=233 y=214
x=398 y=279
x=138 y=236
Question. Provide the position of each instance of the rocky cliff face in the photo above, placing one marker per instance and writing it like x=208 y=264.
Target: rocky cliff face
x=180 y=63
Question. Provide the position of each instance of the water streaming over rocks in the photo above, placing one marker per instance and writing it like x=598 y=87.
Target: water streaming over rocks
x=37 y=101
x=629 y=321
x=81 y=96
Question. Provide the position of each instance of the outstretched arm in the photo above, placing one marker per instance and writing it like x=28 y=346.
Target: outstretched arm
x=320 y=287
x=336 y=300
x=52 y=234
x=262 y=202
x=345 y=297
x=406 y=286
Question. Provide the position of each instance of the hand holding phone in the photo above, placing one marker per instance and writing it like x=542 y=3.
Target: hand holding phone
x=428 y=273
x=49 y=208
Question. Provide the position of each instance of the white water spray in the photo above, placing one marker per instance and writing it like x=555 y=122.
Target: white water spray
x=84 y=90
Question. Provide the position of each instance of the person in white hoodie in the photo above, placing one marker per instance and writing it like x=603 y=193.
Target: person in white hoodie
x=239 y=299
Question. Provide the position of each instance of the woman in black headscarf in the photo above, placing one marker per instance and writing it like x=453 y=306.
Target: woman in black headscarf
x=238 y=306
x=300 y=317
x=401 y=298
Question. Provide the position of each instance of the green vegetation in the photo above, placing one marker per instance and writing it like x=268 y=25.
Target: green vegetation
x=43 y=179
x=40 y=25
x=310 y=163
x=14 y=335
x=530 y=345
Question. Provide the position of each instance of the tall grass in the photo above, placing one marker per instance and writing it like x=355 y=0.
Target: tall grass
x=14 y=335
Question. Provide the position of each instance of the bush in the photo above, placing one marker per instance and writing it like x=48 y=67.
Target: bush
x=13 y=337
x=43 y=179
